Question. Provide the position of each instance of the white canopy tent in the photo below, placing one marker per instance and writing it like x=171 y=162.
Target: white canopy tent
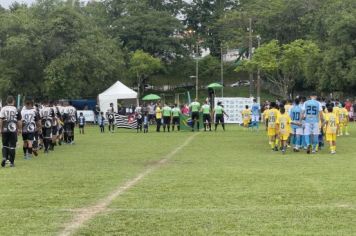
x=117 y=91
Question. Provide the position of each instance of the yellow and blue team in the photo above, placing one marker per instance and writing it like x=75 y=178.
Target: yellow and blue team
x=305 y=124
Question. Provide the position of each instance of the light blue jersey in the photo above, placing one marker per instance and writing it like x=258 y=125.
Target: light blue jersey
x=255 y=109
x=311 y=110
x=296 y=115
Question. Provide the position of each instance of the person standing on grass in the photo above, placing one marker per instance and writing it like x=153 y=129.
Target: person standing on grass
x=176 y=117
x=219 y=116
x=102 y=122
x=194 y=108
x=158 y=117
x=81 y=123
x=272 y=115
x=110 y=115
x=312 y=114
x=30 y=122
x=283 y=123
x=206 y=115
x=145 y=122
x=296 y=130
x=47 y=115
x=331 y=122
x=10 y=127
x=256 y=111
x=167 y=116
x=246 y=116
x=70 y=118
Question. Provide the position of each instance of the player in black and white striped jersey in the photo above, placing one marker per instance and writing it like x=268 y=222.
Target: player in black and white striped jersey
x=70 y=117
x=47 y=115
x=10 y=127
x=30 y=123
x=110 y=115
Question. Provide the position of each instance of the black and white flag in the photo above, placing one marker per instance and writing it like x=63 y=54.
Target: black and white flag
x=127 y=122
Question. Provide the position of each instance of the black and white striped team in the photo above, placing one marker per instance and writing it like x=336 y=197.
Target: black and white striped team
x=41 y=127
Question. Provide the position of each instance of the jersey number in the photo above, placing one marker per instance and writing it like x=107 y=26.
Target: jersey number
x=296 y=115
x=311 y=110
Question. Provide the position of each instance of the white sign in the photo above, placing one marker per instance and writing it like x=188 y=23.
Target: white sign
x=233 y=108
x=89 y=115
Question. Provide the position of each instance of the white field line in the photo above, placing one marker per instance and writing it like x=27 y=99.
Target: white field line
x=87 y=213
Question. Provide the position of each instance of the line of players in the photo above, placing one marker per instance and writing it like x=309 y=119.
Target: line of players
x=41 y=126
x=305 y=124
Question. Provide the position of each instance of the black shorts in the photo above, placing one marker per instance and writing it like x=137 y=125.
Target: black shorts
x=195 y=115
x=206 y=118
x=111 y=122
x=219 y=119
x=28 y=136
x=9 y=140
x=81 y=126
x=166 y=120
x=176 y=120
x=54 y=130
x=60 y=130
x=47 y=133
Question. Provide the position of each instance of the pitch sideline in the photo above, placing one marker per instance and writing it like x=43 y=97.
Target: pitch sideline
x=85 y=214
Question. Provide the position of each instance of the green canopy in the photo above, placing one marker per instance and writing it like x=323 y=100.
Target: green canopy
x=215 y=85
x=151 y=97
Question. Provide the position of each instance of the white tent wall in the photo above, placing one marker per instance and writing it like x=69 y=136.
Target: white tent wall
x=118 y=91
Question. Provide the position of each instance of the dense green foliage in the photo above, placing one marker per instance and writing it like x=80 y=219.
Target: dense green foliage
x=69 y=49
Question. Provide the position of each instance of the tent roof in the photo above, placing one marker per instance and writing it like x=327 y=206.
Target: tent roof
x=119 y=91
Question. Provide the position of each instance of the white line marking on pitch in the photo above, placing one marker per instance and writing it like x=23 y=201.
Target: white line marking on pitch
x=87 y=213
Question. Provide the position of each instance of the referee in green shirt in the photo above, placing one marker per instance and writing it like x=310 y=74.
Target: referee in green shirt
x=194 y=108
x=167 y=114
x=219 y=115
x=206 y=115
x=176 y=114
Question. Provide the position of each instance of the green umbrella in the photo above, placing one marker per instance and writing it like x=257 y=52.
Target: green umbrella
x=215 y=85
x=151 y=97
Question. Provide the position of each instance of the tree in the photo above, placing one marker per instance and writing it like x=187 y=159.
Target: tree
x=284 y=65
x=142 y=65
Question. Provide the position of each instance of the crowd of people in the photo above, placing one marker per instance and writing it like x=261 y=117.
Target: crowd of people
x=42 y=126
x=303 y=123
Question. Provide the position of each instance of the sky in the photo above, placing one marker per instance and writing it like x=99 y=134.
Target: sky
x=7 y=3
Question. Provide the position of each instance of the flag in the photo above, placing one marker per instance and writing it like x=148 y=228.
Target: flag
x=127 y=122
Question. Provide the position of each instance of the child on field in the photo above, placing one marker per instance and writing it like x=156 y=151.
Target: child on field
x=332 y=126
x=145 y=123
x=81 y=121
x=102 y=122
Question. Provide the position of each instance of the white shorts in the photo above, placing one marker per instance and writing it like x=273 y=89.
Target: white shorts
x=297 y=131
x=255 y=118
x=311 y=128
x=351 y=114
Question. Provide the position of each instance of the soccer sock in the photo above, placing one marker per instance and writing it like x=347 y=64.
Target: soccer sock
x=297 y=141
x=30 y=151
x=178 y=127
x=272 y=144
x=204 y=126
x=12 y=153
x=198 y=124
x=24 y=150
x=223 y=126
x=276 y=143
x=346 y=129
x=315 y=140
x=307 y=140
x=193 y=124
x=216 y=126
x=45 y=142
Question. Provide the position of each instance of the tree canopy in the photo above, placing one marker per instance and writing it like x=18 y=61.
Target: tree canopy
x=59 y=49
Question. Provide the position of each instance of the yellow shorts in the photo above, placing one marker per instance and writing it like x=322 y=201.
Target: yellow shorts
x=246 y=123
x=271 y=132
x=283 y=137
x=330 y=137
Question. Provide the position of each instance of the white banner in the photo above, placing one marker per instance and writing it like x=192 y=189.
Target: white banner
x=89 y=115
x=233 y=108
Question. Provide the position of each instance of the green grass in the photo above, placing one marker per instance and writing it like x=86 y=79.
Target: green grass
x=223 y=183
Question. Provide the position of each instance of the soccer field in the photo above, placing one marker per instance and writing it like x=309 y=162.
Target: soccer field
x=202 y=183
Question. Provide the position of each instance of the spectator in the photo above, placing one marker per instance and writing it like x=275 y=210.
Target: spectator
x=185 y=109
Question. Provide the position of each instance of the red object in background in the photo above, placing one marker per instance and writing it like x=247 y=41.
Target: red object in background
x=348 y=105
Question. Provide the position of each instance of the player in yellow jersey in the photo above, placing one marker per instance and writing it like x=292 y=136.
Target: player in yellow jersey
x=343 y=120
x=272 y=115
x=331 y=124
x=288 y=106
x=246 y=116
x=283 y=128
x=265 y=117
